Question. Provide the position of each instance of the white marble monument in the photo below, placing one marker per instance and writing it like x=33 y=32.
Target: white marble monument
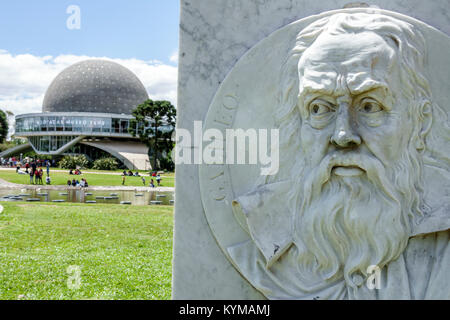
x=359 y=207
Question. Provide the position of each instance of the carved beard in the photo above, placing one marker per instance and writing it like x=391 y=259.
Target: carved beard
x=343 y=225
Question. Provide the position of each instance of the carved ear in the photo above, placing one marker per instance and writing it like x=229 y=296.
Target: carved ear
x=426 y=122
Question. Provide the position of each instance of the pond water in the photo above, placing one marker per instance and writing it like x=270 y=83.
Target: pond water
x=83 y=196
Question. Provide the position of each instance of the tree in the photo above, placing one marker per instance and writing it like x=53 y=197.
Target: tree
x=154 y=124
x=4 y=127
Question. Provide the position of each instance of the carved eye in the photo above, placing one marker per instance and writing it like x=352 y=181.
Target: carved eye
x=319 y=107
x=370 y=106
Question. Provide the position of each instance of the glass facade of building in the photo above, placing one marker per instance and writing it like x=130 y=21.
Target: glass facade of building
x=49 y=143
x=85 y=125
x=49 y=132
x=76 y=124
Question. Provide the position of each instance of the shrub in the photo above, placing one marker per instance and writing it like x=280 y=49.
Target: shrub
x=4 y=146
x=105 y=164
x=71 y=162
x=166 y=164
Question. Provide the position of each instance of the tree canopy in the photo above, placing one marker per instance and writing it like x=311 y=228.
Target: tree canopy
x=4 y=127
x=153 y=124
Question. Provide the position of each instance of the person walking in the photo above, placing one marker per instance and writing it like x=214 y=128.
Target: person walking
x=123 y=180
x=48 y=167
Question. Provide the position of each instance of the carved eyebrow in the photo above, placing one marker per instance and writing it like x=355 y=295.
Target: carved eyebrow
x=355 y=91
x=366 y=88
x=315 y=91
x=374 y=93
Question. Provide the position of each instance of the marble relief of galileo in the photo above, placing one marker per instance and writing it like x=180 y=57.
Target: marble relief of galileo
x=355 y=111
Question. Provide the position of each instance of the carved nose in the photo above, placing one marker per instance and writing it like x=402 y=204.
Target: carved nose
x=344 y=135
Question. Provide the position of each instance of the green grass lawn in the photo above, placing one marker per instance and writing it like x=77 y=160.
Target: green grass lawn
x=121 y=252
x=60 y=178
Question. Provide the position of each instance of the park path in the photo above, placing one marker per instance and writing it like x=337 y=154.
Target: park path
x=9 y=185
x=91 y=172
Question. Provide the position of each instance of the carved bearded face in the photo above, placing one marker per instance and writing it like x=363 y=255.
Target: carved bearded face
x=349 y=84
x=355 y=192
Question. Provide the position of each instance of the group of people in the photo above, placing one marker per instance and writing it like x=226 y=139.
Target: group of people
x=25 y=162
x=76 y=183
x=151 y=184
x=157 y=178
x=36 y=173
x=130 y=173
x=37 y=176
x=76 y=172
x=10 y=162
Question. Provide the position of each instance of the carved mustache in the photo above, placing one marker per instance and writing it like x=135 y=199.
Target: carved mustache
x=373 y=167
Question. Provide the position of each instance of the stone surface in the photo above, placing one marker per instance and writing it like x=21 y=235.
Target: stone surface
x=211 y=43
x=133 y=154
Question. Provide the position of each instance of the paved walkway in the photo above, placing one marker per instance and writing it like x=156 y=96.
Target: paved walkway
x=9 y=185
x=91 y=172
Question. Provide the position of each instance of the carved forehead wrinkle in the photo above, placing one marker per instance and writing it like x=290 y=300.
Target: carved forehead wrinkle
x=334 y=64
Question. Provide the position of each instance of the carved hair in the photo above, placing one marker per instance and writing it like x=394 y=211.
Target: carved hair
x=327 y=239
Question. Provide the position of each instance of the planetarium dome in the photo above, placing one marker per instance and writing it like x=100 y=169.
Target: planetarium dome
x=98 y=86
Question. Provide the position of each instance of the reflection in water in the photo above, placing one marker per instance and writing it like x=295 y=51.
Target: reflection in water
x=79 y=195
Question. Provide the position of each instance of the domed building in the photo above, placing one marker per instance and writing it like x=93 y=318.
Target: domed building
x=87 y=110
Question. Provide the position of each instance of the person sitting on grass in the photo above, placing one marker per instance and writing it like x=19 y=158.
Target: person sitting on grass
x=74 y=183
x=136 y=174
x=86 y=183
x=47 y=180
x=130 y=173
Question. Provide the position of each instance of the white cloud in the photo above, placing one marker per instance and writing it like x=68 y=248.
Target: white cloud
x=25 y=78
x=174 y=57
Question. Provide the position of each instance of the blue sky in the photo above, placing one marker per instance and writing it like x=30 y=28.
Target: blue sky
x=142 y=29
x=36 y=45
